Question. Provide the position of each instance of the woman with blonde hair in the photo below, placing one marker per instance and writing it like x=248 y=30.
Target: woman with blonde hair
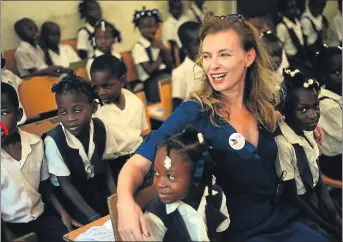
x=234 y=110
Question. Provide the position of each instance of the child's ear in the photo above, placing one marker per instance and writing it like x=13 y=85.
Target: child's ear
x=94 y=107
x=20 y=114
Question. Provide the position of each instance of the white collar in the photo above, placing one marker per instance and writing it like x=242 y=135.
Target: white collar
x=98 y=52
x=146 y=43
x=27 y=140
x=26 y=45
x=173 y=206
x=291 y=136
x=290 y=24
x=316 y=20
x=326 y=93
x=74 y=142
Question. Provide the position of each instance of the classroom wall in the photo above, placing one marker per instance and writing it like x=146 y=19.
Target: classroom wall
x=65 y=13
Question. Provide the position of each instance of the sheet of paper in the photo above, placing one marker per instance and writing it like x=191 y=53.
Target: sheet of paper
x=97 y=233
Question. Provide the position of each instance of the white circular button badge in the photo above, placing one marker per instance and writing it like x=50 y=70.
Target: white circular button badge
x=236 y=141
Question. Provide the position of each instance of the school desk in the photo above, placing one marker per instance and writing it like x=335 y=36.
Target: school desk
x=71 y=236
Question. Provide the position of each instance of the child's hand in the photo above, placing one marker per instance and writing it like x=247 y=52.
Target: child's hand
x=69 y=222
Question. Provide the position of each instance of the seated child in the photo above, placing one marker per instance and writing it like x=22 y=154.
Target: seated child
x=278 y=54
x=90 y=11
x=185 y=78
x=170 y=27
x=75 y=151
x=24 y=179
x=312 y=25
x=54 y=52
x=29 y=56
x=298 y=152
x=329 y=68
x=290 y=34
x=9 y=77
x=331 y=122
x=152 y=59
x=123 y=112
x=105 y=36
x=183 y=180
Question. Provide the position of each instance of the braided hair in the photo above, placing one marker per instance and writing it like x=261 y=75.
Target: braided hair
x=71 y=83
x=103 y=24
x=294 y=79
x=146 y=13
x=190 y=145
x=84 y=8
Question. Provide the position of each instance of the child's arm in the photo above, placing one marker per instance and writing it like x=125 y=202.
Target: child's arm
x=74 y=196
x=164 y=53
x=150 y=68
x=47 y=192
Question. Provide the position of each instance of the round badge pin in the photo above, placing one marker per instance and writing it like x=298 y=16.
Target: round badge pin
x=236 y=141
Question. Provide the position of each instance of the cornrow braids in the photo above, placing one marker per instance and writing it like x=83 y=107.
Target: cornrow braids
x=294 y=79
x=146 y=13
x=71 y=83
x=103 y=24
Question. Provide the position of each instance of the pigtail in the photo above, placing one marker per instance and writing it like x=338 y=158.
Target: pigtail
x=103 y=24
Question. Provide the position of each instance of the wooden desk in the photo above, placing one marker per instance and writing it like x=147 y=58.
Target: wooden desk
x=71 y=236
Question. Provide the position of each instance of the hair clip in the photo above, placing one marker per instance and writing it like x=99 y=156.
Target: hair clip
x=309 y=83
x=292 y=73
x=103 y=26
x=200 y=138
x=167 y=163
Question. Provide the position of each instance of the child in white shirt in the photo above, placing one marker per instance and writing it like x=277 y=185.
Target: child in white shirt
x=105 y=36
x=152 y=59
x=298 y=152
x=56 y=53
x=184 y=184
x=185 y=78
x=123 y=112
x=76 y=149
x=25 y=179
x=90 y=11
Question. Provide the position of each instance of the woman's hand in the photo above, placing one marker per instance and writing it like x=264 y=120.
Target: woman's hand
x=131 y=221
x=319 y=134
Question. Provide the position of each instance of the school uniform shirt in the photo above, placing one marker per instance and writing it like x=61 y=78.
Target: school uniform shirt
x=307 y=27
x=28 y=57
x=83 y=42
x=283 y=34
x=9 y=77
x=67 y=55
x=124 y=125
x=186 y=78
x=331 y=123
x=194 y=13
x=170 y=29
x=140 y=56
x=287 y=160
x=20 y=200
x=195 y=220
x=56 y=164
x=96 y=54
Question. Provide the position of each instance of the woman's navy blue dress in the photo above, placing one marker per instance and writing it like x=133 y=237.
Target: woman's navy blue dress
x=247 y=177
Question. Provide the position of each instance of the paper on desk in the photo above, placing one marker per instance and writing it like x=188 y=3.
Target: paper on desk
x=98 y=233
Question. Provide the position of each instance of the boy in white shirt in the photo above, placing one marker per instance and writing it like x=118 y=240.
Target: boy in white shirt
x=29 y=56
x=9 y=77
x=186 y=76
x=25 y=179
x=56 y=53
x=122 y=112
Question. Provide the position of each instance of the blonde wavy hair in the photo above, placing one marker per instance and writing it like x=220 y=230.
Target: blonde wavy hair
x=262 y=92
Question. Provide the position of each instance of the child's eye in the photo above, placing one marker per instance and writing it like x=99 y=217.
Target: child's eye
x=109 y=86
x=316 y=107
x=171 y=178
x=78 y=110
x=303 y=110
x=62 y=112
x=4 y=113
